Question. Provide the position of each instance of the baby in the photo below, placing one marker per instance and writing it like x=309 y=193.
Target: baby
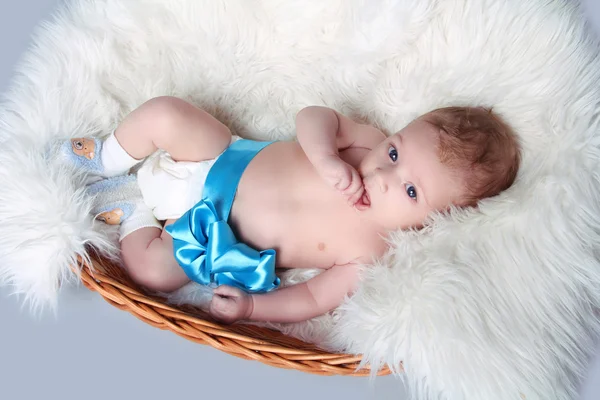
x=237 y=209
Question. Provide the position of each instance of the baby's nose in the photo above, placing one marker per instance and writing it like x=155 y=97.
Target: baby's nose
x=381 y=181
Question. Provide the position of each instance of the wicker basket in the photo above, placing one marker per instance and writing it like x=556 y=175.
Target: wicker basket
x=244 y=341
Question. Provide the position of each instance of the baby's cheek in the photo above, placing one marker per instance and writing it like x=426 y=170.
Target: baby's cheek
x=404 y=212
x=423 y=214
x=368 y=163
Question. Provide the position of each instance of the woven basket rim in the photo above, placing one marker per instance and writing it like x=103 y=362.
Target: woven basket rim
x=248 y=342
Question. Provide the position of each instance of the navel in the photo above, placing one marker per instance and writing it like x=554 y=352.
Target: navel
x=321 y=246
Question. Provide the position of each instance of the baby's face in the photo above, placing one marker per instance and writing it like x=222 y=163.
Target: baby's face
x=404 y=179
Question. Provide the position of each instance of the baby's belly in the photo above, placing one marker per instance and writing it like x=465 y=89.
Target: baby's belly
x=302 y=237
x=296 y=238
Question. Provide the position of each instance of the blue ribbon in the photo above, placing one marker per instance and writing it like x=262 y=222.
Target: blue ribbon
x=203 y=242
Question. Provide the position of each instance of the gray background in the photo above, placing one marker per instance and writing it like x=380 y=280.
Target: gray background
x=92 y=350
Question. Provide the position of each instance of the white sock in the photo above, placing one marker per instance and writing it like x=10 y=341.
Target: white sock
x=141 y=217
x=115 y=160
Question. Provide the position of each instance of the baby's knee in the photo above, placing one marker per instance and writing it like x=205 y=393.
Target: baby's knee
x=166 y=112
x=164 y=106
x=147 y=270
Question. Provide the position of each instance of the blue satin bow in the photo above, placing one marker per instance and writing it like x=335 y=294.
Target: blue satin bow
x=204 y=244
x=209 y=252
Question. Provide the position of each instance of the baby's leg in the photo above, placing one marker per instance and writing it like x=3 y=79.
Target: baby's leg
x=183 y=130
x=168 y=123
x=148 y=257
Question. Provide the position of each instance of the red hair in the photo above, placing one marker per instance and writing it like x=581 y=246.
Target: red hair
x=477 y=144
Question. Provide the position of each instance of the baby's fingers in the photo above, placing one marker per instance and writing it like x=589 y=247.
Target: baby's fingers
x=355 y=189
x=227 y=291
x=223 y=309
x=343 y=179
x=355 y=197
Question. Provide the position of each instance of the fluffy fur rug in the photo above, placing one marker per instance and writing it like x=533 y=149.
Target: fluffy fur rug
x=494 y=304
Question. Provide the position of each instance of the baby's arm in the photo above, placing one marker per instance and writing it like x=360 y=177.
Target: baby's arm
x=322 y=133
x=307 y=300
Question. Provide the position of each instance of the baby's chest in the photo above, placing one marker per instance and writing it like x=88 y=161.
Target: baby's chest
x=315 y=244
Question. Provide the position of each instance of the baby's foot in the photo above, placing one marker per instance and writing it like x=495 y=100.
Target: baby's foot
x=97 y=158
x=115 y=213
x=114 y=198
x=118 y=201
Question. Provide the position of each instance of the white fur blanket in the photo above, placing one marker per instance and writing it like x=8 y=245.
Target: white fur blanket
x=492 y=304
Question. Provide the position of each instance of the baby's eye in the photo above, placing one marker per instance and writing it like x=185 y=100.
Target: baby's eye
x=411 y=191
x=393 y=153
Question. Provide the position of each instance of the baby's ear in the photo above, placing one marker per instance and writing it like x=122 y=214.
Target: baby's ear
x=118 y=212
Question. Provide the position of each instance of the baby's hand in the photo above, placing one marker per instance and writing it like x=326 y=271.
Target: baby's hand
x=342 y=176
x=230 y=304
